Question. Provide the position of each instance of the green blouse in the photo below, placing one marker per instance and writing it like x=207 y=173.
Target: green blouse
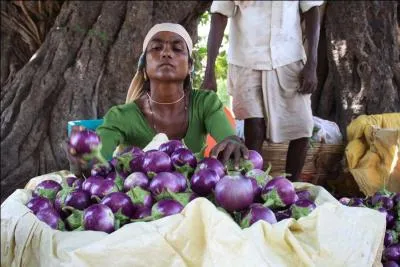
x=126 y=125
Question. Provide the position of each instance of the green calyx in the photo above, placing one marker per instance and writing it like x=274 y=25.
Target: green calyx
x=137 y=195
x=119 y=182
x=200 y=155
x=245 y=222
x=47 y=193
x=272 y=199
x=60 y=225
x=75 y=220
x=298 y=212
x=120 y=219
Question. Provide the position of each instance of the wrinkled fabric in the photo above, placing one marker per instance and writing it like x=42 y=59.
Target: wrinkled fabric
x=201 y=235
x=373 y=152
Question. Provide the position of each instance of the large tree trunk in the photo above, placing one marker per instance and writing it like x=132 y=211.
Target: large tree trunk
x=83 y=68
x=24 y=26
x=362 y=49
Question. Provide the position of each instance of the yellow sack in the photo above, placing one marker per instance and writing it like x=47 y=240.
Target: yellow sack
x=332 y=235
x=373 y=152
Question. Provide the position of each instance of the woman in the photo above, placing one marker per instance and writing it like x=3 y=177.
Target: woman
x=160 y=100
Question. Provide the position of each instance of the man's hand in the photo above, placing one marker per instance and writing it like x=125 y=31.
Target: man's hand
x=209 y=82
x=308 y=79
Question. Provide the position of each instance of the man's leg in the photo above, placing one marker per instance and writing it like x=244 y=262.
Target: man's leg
x=254 y=133
x=295 y=157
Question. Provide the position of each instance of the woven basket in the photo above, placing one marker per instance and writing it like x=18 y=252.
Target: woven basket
x=322 y=160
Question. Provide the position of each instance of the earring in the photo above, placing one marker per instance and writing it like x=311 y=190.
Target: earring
x=144 y=75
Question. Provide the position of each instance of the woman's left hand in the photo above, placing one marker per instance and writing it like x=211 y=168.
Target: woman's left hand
x=230 y=146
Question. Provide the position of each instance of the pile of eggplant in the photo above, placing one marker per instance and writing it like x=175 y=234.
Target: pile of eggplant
x=389 y=204
x=144 y=186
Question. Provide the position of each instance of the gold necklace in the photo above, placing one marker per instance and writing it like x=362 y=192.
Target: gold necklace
x=166 y=103
x=152 y=115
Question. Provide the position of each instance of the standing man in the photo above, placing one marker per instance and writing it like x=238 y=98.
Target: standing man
x=269 y=76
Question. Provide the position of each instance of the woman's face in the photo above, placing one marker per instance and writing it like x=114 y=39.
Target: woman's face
x=167 y=57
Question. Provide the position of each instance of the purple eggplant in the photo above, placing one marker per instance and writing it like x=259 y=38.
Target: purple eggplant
x=257 y=189
x=203 y=181
x=38 y=203
x=183 y=181
x=356 y=202
x=113 y=163
x=345 y=201
x=136 y=163
x=171 y=146
x=182 y=157
x=142 y=212
x=392 y=253
x=390 y=217
x=396 y=198
x=86 y=144
x=213 y=164
x=77 y=184
x=302 y=208
x=78 y=199
x=184 y=161
x=47 y=189
x=257 y=212
x=136 y=179
x=303 y=194
x=118 y=201
x=167 y=181
x=122 y=207
x=70 y=180
x=279 y=193
x=234 y=192
x=101 y=169
x=391 y=238
x=165 y=207
x=102 y=188
x=283 y=214
x=88 y=182
x=99 y=217
x=111 y=176
x=72 y=198
x=51 y=218
x=155 y=162
x=256 y=159
x=390 y=264
x=382 y=201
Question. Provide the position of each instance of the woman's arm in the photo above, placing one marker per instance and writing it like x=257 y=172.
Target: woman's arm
x=218 y=126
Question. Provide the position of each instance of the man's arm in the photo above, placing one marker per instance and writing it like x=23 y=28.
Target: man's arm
x=215 y=36
x=309 y=75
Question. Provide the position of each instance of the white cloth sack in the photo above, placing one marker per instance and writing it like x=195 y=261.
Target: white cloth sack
x=332 y=235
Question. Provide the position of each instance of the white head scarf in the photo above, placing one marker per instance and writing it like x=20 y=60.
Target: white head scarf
x=169 y=27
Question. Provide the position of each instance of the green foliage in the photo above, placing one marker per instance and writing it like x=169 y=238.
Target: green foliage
x=200 y=60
